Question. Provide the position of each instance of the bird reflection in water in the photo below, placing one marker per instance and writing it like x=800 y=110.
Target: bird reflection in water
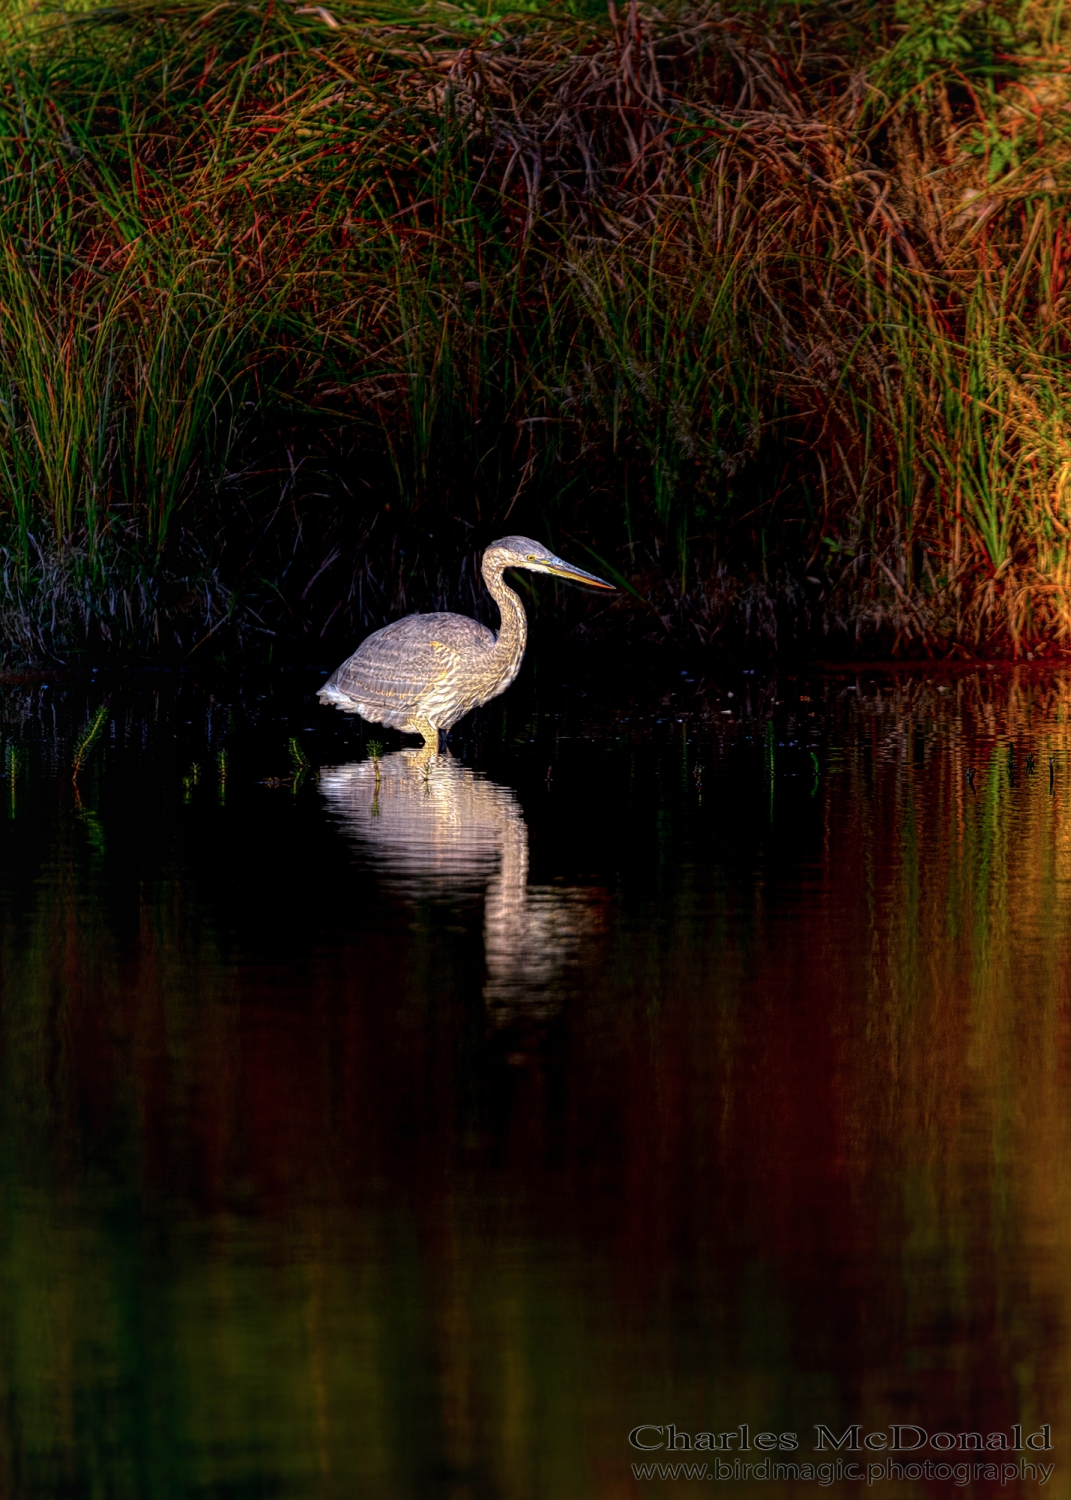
x=433 y=826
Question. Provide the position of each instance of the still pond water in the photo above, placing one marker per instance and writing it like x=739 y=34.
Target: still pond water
x=691 y=1055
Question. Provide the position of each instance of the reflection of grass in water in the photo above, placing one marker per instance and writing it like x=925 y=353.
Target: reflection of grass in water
x=92 y=825
x=375 y=750
x=84 y=746
x=300 y=762
x=979 y=891
x=950 y=946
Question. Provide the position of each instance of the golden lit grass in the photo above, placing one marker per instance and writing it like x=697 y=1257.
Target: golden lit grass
x=772 y=315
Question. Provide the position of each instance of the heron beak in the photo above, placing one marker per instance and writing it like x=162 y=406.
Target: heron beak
x=576 y=575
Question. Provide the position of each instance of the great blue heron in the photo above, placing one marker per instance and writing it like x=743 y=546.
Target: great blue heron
x=424 y=672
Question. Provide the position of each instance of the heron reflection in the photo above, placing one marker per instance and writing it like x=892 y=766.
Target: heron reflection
x=432 y=825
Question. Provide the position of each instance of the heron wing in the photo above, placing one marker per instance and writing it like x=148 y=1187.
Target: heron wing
x=394 y=668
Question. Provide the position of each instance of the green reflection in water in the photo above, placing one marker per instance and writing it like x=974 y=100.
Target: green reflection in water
x=288 y=1210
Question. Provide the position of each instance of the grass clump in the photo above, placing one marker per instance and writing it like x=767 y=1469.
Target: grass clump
x=301 y=306
x=88 y=739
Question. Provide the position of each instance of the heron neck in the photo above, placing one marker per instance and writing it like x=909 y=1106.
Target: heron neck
x=513 y=632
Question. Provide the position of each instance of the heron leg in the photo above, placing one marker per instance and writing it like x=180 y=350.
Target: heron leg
x=428 y=730
x=421 y=759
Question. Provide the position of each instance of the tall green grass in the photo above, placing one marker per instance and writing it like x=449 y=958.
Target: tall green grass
x=300 y=307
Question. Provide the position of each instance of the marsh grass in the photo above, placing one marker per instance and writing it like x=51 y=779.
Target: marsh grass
x=299 y=307
x=86 y=741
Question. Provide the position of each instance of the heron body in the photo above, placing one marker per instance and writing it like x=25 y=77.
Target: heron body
x=423 y=673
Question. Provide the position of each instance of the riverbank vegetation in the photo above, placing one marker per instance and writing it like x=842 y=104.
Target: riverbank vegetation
x=762 y=311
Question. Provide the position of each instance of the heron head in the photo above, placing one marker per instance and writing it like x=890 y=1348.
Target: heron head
x=522 y=552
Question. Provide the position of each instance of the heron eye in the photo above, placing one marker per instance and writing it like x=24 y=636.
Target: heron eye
x=531 y=557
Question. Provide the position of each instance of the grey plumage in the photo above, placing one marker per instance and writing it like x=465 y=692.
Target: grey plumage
x=421 y=674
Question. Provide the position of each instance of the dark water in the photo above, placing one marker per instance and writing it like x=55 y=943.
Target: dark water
x=423 y=1133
